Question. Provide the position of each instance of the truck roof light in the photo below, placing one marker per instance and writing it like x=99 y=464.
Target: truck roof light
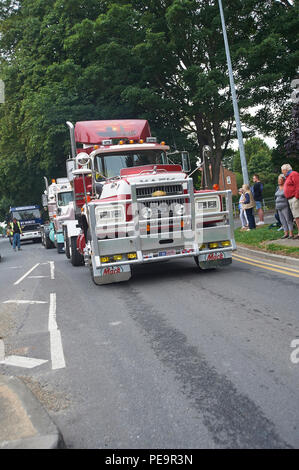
x=95 y=147
x=131 y=141
x=216 y=187
x=163 y=143
x=141 y=141
x=53 y=181
x=121 y=142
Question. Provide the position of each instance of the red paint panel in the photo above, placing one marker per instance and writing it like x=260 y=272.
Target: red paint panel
x=94 y=132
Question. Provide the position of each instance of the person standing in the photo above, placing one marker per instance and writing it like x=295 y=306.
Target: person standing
x=249 y=205
x=16 y=233
x=243 y=216
x=258 y=197
x=291 y=191
x=283 y=208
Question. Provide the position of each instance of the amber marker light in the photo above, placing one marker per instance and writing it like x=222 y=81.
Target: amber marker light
x=141 y=141
x=216 y=187
x=163 y=143
x=213 y=245
x=95 y=147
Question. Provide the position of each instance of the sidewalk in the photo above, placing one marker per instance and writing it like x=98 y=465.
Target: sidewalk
x=24 y=423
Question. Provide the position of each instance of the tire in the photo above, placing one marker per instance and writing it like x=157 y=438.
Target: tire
x=76 y=258
x=48 y=244
x=67 y=245
x=60 y=247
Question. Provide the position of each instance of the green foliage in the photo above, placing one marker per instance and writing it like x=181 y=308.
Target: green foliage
x=160 y=60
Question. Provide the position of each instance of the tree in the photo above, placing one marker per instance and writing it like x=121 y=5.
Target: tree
x=162 y=60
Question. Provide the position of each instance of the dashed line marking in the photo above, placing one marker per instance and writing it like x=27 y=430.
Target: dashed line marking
x=57 y=356
x=52 y=269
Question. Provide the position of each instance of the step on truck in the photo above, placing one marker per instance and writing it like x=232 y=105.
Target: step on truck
x=57 y=199
x=134 y=205
x=30 y=220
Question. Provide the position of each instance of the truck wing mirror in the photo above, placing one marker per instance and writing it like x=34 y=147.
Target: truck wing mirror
x=186 y=162
x=83 y=158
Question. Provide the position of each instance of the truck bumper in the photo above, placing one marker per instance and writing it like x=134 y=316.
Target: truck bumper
x=149 y=249
x=211 y=246
x=26 y=236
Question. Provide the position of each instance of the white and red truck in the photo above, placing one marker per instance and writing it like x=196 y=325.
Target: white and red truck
x=57 y=199
x=133 y=205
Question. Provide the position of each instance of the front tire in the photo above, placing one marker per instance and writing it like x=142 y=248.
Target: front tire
x=76 y=258
x=67 y=245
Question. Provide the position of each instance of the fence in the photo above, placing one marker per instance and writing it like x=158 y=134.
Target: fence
x=268 y=205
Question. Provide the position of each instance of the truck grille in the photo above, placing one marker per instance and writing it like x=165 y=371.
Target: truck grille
x=30 y=227
x=169 y=189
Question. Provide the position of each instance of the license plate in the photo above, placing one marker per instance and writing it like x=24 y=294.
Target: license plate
x=215 y=256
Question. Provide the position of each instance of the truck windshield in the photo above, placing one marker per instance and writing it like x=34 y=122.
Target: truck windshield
x=28 y=214
x=65 y=198
x=110 y=164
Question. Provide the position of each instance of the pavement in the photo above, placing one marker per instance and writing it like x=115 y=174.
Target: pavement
x=25 y=423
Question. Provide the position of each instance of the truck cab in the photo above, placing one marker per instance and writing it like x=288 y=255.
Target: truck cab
x=30 y=221
x=57 y=198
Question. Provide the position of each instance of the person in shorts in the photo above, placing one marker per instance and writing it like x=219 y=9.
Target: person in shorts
x=291 y=191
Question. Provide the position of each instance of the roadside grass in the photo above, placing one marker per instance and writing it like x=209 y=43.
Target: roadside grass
x=260 y=237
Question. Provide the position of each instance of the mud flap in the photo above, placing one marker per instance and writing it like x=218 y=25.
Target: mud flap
x=109 y=275
x=213 y=260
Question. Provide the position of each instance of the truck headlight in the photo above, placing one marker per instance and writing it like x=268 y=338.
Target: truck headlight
x=179 y=209
x=109 y=215
x=146 y=212
x=208 y=205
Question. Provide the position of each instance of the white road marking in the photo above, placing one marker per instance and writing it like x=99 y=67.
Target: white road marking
x=22 y=361
x=52 y=269
x=15 y=267
x=18 y=361
x=57 y=356
x=115 y=323
x=24 y=302
x=37 y=277
x=25 y=275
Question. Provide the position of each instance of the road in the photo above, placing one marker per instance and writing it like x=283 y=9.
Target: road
x=175 y=358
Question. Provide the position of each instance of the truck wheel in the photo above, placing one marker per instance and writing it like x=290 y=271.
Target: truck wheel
x=48 y=244
x=67 y=246
x=60 y=247
x=76 y=258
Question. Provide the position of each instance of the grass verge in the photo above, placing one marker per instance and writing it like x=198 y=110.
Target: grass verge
x=259 y=239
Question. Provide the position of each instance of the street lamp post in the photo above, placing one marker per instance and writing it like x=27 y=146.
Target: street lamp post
x=234 y=98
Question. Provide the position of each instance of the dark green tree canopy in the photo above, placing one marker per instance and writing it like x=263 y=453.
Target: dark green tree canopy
x=162 y=60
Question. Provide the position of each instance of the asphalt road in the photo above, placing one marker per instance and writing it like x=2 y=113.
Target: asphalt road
x=173 y=359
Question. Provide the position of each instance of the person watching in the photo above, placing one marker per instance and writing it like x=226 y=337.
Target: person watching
x=291 y=191
x=258 y=197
